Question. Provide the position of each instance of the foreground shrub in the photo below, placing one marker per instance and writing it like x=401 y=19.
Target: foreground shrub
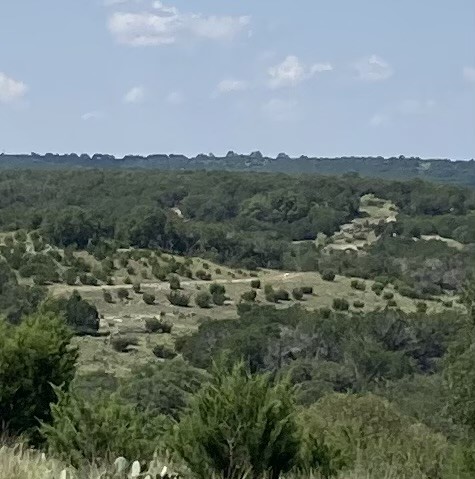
x=307 y=289
x=218 y=298
x=137 y=287
x=372 y=435
x=107 y=296
x=256 y=284
x=377 y=288
x=101 y=428
x=203 y=275
x=240 y=425
x=388 y=295
x=358 y=304
x=174 y=282
x=34 y=357
x=216 y=288
x=282 y=295
x=123 y=293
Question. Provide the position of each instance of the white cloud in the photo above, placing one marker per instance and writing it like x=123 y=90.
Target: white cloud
x=175 y=98
x=165 y=25
x=469 y=74
x=277 y=109
x=379 y=119
x=91 y=115
x=292 y=72
x=11 y=90
x=373 y=69
x=229 y=85
x=135 y=95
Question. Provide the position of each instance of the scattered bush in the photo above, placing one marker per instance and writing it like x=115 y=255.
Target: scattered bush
x=128 y=280
x=121 y=344
x=137 y=287
x=218 y=271
x=174 y=282
x=388 y=295
x=328 y=276
x=249 y=295
x=448 y=304
x=203 y=275
x=256 y=284
x=340 y=304
x=107 y=296
x=123 y=293
x=392 y=303
x=358 y=304
x=421 y=307
x=282 y=295
x=130 y=271
x=203 y=299
x=377 y=288
x=307 y=289
x=218 y=298
x=148 y=298
x=205 y=266
x=178 y=298
x=163 y=352
x=216 y=288
x=359 y=285
x=155 y=325
x=297 y=294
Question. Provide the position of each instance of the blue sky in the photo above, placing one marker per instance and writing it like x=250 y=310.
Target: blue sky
x=314 y=77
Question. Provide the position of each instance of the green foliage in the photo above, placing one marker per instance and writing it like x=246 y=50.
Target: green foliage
x=34 y=357
x=307 y=289
x=101 y=427
x=218 y=298
x=107 y=296
x=162 y=351
x=137 y=287
x=203 y=275
x=281 y=295
x=249 y=295
x=216 y=288
x=340 y=304
x=155 y=325
x=359 y=285
x=238 y=425
x=78 y=313
x=203 y=299
x=148 y=298
x=358 y=304
x=178 y=298
x=174 y=282
x=369 y=432
x=328 y=275
x=256 y=283
x=123 y=293
x=297 y=294
x=88 y=279
x=70 y=276
x=388 y=295
x=121 y=343
x=421 y=307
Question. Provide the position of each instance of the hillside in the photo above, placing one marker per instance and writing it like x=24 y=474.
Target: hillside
x=150 y=295
x=401 y=168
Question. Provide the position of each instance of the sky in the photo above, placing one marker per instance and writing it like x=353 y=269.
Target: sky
x=312 y=77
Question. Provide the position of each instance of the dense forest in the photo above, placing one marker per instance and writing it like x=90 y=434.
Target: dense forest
x=396 y=168
x=202 y=367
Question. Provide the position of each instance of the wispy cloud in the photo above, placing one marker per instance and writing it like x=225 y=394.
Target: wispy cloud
x=92 y=115
x=230 y=85
x=164 y=25
x=292 y=72
x=11 y=90
x=373 y=69
x=135 y=95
